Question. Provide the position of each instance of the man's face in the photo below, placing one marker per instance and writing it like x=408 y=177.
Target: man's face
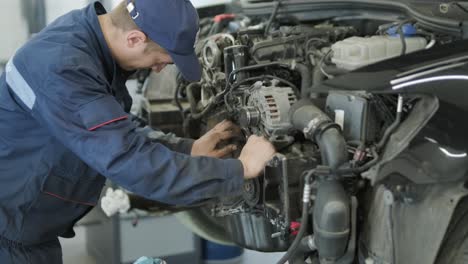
x=155 y=59
x=141 y=53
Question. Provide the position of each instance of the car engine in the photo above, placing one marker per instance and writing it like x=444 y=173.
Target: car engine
x=264 y=74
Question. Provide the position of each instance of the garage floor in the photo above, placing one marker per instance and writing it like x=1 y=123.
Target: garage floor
x=74 y=252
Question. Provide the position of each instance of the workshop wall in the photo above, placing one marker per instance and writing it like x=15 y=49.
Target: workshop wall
x=14 y=21
x=56 y=8
x=13 y=28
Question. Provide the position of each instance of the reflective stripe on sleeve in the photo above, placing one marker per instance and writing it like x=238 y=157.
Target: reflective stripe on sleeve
x=19 y=86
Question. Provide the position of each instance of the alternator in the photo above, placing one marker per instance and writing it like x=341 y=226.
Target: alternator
x=268 y=107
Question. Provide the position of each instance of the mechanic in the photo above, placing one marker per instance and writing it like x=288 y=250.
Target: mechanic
x=65 y=127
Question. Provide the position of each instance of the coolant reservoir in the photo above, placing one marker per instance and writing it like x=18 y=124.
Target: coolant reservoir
x=355 y=52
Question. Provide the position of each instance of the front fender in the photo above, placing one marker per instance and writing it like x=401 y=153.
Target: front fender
x=408 y=223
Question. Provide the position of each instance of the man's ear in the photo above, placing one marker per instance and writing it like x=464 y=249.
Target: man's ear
x=135 y=38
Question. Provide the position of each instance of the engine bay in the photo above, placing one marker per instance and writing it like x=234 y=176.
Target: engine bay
x=264 y=74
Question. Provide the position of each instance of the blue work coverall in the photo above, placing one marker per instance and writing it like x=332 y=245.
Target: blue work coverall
x=64 y=129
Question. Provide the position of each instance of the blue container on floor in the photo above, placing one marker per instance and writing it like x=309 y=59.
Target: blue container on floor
x=214 y=253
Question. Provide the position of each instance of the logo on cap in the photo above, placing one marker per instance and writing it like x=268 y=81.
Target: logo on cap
x=130 y=8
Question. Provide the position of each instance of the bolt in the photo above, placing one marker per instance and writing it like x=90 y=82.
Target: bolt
x=444 y=8
x=388 y=197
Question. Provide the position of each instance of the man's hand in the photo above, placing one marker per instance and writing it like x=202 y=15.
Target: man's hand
x=255 y=155
x=206 y=145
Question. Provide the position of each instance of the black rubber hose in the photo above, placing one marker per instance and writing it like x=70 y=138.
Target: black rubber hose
x=191 y=97
x=253 y=67
x=263 y=77
x=215 y=28
x=393 y=126
x=403 y=40
x=304 y=221
x=332 y=147
x=205 y=111
x=331 y=219
x=389 y=131
x=318 y=76
x=303 y=111
x=305 y=115
x=332 y=70
x=400 y=32
x=177 y=101
x=272 y=17
x=306 y=79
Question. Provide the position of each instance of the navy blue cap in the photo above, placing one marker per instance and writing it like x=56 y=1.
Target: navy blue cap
x=172 y=24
